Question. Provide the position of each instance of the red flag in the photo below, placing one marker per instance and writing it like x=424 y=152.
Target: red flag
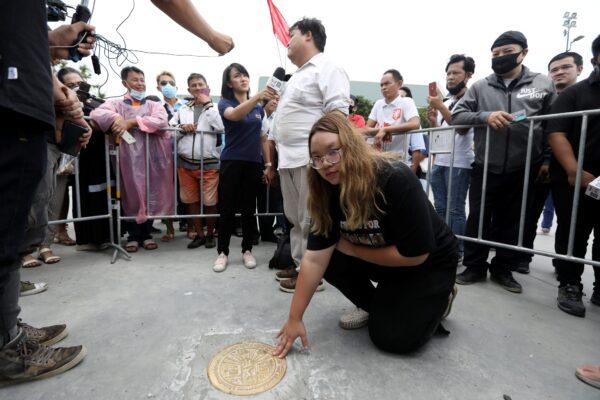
x=280 y=27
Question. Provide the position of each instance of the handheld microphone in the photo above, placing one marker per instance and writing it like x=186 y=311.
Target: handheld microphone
x=276 y=81
x=82 y=13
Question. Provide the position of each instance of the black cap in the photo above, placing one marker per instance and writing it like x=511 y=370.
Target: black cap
x=510 y=37
x=353 y=97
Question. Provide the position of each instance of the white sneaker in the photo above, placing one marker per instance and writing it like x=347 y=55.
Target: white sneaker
x=220 y=263
x=29 y=288
x=354 y=319
x=249 y=260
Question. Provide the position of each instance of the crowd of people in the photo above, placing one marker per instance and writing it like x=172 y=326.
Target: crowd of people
x=352 y=190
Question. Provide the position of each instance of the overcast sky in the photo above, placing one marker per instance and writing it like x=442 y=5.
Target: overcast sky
x=363 y=37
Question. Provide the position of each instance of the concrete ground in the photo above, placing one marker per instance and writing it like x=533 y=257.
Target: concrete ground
x=150 y=326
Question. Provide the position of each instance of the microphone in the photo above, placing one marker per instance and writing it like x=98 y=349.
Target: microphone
x=276 y=81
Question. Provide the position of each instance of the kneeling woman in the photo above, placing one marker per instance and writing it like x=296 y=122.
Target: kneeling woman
x=371 y=221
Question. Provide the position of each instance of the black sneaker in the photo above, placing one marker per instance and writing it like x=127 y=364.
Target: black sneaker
x=522 y=267
x=470 y=276
x=24 y=360
x=210 y=242
x=595 y=299
x=569 y=300
x=507 y=281
x=197 y=242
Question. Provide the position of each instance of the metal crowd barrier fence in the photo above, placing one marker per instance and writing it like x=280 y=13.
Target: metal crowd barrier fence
x=450 y=132
x=111 y=205
x=445 y=134
x=174 y=215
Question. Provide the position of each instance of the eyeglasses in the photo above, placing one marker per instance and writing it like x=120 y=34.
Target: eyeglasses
x=73 y=85
x=164 y=83
x=332 y=157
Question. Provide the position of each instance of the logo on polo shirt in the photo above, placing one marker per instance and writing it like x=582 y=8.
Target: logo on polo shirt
x=532 y=93
x=257 y=115
x=397 y=114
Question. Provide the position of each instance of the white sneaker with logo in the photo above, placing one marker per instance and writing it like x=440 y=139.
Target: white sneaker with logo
x=354 y=319
x=249 y=260
x=220 y=263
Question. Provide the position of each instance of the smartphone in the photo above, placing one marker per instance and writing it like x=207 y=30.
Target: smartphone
x=518 y=116
x=69 y=142
x=433 y=89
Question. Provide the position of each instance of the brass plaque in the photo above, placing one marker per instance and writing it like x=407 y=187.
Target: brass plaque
x=245 y=369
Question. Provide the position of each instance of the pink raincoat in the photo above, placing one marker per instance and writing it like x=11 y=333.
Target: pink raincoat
x=151 y=118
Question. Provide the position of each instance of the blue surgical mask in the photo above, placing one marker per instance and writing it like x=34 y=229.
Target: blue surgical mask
x=139 y=96
x=169 y=91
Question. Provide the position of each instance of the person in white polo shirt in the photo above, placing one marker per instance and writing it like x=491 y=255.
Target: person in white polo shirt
x=458 y=72
x=316 y=88
x=395 y=114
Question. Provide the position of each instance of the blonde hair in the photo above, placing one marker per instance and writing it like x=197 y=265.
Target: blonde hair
x=167 y=73
x=359 y=167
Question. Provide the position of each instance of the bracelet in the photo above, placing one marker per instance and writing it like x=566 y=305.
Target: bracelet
x=268 y=164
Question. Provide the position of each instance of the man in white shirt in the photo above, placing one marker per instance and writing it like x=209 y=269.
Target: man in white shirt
x=316 y=88
x=458 y=72
x=395 y=114
x=198 y=158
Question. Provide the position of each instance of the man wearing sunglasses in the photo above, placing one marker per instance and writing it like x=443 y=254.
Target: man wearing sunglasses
x=165 y=83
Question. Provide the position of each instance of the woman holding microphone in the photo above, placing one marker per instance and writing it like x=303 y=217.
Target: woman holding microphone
x=241 y=160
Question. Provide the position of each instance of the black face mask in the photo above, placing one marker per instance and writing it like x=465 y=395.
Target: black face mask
x=456 y=89
x=505 y=63
x=351 y=110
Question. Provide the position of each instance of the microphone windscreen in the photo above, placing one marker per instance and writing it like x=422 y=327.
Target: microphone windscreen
x=279 y=73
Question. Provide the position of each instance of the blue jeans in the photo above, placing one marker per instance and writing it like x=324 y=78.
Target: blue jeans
x=548 y=214
x=460 y=187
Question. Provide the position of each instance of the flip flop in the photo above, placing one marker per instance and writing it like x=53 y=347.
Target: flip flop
x=132 y=247
x=589 y=374
x=30 y=262
x=167 y=237
x=64 y=239
x=47 y=256
x=149 y=244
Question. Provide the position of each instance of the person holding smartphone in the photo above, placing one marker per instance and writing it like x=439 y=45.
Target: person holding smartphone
x=241 y=160
x=199 y=157
x=372 y=222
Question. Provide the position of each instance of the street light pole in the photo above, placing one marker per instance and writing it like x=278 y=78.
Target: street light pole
x=570 y=22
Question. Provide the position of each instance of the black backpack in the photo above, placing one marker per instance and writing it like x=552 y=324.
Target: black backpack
x=282 y=258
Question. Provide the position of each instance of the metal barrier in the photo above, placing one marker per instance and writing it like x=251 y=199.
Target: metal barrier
x=115 y=205
x=519 y=246
x=174 y=215
x=109 y=201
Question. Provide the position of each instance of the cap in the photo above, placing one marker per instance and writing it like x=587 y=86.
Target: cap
x=510 y=37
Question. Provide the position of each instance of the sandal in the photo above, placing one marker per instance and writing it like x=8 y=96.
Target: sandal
x=167 y=237
x=47 y=256
x=29 y=261
x=64 y=239
x=149 y=244
x=132 y=247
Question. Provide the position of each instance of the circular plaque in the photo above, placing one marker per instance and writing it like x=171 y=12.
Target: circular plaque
x=245 y=369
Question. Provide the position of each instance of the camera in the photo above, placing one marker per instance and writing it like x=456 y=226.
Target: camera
x=90 y=102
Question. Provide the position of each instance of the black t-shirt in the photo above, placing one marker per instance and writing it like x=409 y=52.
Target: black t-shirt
x=25 y=76
x=409 y=222
x=584 y=95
